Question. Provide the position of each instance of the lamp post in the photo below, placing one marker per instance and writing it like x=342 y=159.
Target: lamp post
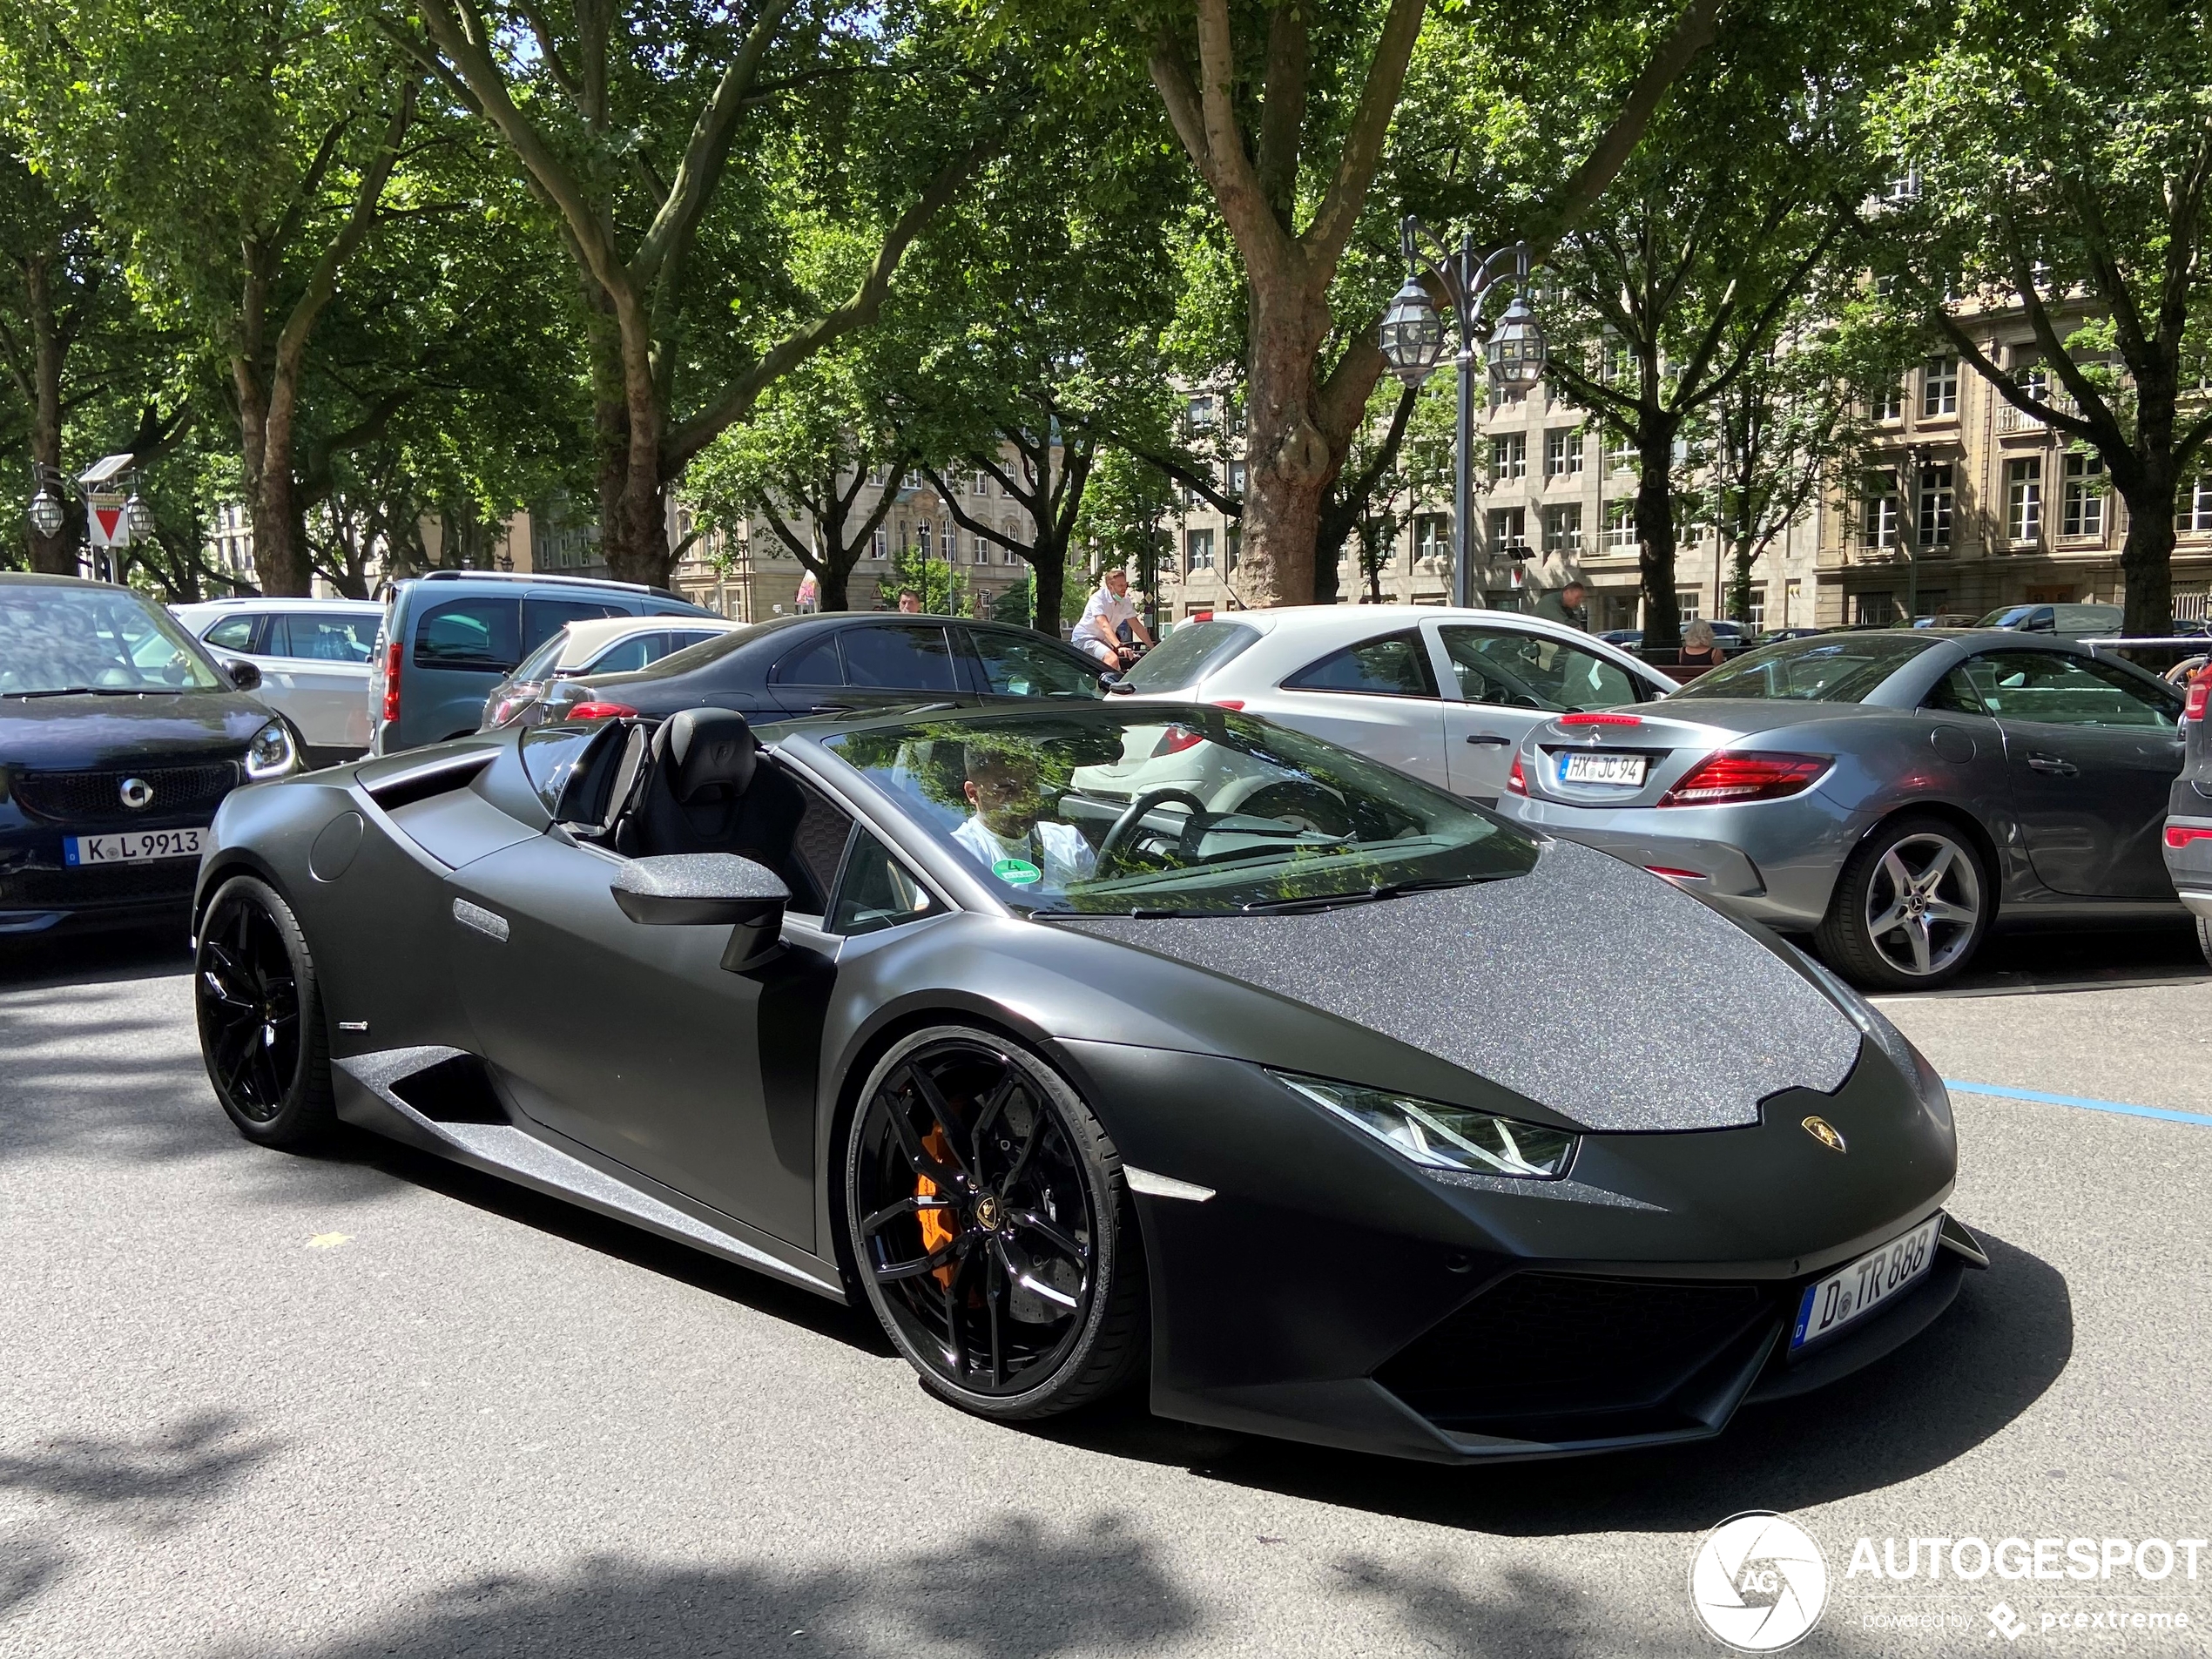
x=48 y=510
x=1412 y=343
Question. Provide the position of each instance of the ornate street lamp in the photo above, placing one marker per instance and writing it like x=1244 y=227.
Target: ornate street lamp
x=139 y=516
x=1511 y=351
x=47 y=515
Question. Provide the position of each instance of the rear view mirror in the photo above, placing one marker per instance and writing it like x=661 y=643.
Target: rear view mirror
x=709 y=889
x=247 y=677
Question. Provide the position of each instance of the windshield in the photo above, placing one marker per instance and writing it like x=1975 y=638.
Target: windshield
x=1174 y=812
x=1826 y=668
x=1186 y=656
x=539 y=663
x=65 y=638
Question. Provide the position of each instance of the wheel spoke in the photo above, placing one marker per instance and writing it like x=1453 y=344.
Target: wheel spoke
x=221 y=992
x=1938 y=867
x=936 y=1258
x=1944 y=910
x=1022 y=1159
x=1028 y=1280
x=954 y=1288
x=1916 y=933
x=1051 y=1231
x=942 y=1111
x=1879 y=924
x=988 y=1114
x=995 y=1292
x=1900 y=878
x=910 y=1143
x=891 y=1213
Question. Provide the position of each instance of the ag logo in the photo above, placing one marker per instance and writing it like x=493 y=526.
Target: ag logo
x=1758 y=1582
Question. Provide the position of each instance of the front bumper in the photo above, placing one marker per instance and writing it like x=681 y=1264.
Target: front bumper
x=41 y=891
x=1328 y=1291
x=1774 y=862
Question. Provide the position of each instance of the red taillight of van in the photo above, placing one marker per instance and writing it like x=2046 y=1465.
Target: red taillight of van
x=392 y=682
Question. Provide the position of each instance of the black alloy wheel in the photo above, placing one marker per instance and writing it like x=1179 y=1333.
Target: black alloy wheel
x=260 y=1017
x=991 y=1228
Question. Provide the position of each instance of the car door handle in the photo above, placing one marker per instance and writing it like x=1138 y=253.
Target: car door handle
x=2053 y=766
x=1489 y=739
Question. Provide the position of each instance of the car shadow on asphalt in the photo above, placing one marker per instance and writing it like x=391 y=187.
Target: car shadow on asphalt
x=2003 y=1343
x=42 y=961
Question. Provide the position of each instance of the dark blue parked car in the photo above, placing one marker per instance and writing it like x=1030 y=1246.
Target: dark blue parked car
x=449 y=636
x=119 y=736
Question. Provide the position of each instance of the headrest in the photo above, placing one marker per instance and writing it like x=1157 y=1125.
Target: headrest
x=702 y=748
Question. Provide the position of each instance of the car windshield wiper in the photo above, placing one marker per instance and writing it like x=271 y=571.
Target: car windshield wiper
x=90 y=690
x=1357 y=896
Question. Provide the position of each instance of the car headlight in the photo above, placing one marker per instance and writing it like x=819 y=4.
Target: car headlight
x=271 y=754
x=1438 y=1137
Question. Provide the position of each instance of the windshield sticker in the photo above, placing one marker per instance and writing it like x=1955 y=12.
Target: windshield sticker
x=1017 y=872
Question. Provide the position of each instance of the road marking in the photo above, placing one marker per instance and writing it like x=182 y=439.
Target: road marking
x=1998 y=1092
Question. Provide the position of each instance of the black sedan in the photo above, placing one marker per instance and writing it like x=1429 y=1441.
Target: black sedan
x=1416 y=1134
x=119 y=736
x=838 y=661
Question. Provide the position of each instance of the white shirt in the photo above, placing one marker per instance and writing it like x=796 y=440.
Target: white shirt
x=1105 y=613
x=1058 y=850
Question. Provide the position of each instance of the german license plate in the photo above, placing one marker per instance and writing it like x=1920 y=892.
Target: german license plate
x=1603 y=769
x=133 y=846
x=1857 y=1290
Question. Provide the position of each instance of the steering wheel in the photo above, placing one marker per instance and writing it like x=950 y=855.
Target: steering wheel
x=1110 y=849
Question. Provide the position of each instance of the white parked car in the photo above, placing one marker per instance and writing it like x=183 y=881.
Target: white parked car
x=1440 y=693
x=314 y=655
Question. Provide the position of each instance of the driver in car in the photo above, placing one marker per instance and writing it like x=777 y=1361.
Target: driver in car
x=1008 y=830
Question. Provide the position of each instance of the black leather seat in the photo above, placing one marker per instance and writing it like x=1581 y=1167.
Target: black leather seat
x=708 y=788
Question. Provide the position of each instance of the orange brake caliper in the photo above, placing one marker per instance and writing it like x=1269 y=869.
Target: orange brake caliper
x=935 y=1234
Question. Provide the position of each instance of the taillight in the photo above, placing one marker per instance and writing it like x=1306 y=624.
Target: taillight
x=1515 y=784
x=1725 y=778
x=2199 y=696
x=601 y=712
x=503 y=711
x=1234 y=705
x=391 y=682
x=2180 y=835
x=1599 y=716
x=1176 y=738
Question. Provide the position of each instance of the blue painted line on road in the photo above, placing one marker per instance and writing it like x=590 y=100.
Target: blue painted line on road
x=2121 y=1107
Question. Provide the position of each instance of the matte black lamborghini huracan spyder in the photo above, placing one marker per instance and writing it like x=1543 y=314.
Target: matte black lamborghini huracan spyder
x=1092 y=1042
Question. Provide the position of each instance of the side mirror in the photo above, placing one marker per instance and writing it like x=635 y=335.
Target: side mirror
x=709 y=890
x=245 y=676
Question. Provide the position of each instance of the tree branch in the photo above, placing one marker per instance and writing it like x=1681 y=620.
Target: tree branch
x=1331 y=228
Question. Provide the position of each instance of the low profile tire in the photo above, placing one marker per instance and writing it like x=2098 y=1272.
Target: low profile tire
x=260 y=1017
x=991 y=1228
x=2204 y=938
x=1911 y=907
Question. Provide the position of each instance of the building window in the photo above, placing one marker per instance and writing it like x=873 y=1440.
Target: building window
x=2023 y=499
x=2193 y=503
x=2083 y=509
x=879 y=543
x=1235 y=539
x=1237 y=478
x=922 y=535
x=1620 y=524
x=1202 y=414
x=1508 y=457
x=1906 y=187
x=1199 y=544
x=1621 y=452
x=1508 y=529
x=1888 y=404
x=1933 y=512
x=1755 y=610
x=2036 y=380
x=1879 y=608
x=1939 y=387
x=1686 y=601
x=1563 y=528
x=1433 y=536
x=1563 y=453
x=1878 y=511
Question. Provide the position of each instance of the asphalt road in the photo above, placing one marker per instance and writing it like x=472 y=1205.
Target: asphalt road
x=368 y=1403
